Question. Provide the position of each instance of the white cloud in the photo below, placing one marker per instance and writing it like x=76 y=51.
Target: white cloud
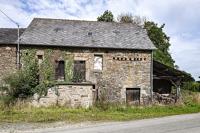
x=186 y=54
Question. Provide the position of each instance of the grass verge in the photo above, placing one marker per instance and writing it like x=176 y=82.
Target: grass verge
x=52 y=114
x=20 y=113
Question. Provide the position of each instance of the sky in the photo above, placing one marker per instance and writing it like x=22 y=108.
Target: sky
x=181 y=18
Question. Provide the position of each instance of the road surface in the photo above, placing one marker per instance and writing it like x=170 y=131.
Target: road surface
x=173 y=124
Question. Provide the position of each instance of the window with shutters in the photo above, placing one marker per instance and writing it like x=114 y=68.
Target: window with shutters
x=60 y=70
x=79 y=71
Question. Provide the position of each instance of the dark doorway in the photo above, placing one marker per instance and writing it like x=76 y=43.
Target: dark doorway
x=60 y=70
x=133 y=96
x=79 y=71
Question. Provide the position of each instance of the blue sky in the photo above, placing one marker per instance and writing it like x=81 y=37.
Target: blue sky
x=182 y=19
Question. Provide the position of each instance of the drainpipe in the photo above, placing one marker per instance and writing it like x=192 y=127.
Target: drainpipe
x=18 y=48
x=151 y=77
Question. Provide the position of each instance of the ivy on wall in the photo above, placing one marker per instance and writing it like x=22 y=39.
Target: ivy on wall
x=47 y=68
x=68 y=58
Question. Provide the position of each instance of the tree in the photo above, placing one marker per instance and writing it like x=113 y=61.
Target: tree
x=106 y=17
x=125 y=18
x=161 y=41
x=129 y=18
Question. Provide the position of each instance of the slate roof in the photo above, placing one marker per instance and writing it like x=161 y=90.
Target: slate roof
x=92 y=34
x=9 y=35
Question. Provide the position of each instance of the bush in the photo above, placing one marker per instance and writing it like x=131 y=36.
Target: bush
x=20 y=85
x=192 y=86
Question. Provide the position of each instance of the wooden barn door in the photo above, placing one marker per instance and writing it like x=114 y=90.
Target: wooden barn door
x=133 y=96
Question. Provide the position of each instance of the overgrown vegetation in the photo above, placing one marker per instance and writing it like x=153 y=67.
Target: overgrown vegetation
x=113 y=113
x=100 y=112
x=191 y=86
x=20 y=85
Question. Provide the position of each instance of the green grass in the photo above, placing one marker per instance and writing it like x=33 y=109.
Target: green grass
x=101 y=112
x=52 y=114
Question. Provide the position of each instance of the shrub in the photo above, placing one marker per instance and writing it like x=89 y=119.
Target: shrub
x=20 y=85
x=192 y=86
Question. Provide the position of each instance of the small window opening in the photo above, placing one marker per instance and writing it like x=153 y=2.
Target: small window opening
x=60 y=70
x=40 y=59
x=98 y=62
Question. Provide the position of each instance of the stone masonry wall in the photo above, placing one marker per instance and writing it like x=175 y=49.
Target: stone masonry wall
x=7 y=60
x=67 y=95
x=121 y=69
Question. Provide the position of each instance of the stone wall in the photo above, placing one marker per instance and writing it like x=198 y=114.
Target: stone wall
x=74 y=95
x=121 y=69
x=7 y=60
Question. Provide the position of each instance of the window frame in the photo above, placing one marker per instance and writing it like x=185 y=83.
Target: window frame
x=102 y=64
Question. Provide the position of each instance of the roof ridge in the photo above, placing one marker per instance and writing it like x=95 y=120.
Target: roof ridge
x=79 y=20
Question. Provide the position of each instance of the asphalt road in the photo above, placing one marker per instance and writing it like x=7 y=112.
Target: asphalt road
x=173 y=124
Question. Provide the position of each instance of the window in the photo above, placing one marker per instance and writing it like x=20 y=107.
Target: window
x=133 y=96
x=98 y=62
x=79 y=71
x=40 y=59
x=60 y=70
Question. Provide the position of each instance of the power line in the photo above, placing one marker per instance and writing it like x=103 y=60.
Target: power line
x=9 y=17
x=18 y=40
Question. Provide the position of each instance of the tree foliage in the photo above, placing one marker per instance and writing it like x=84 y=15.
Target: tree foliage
x=161 y=42
x=129 y=18
x=125 y=18
x=106 y=17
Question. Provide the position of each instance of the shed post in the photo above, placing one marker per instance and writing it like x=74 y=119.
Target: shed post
x=151 y=77
x=178 y=89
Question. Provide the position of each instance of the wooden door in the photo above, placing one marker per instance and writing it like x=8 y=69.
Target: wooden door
x=133 y=96
x=79 y=71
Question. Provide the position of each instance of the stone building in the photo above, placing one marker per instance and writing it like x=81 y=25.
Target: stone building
x=88 y=59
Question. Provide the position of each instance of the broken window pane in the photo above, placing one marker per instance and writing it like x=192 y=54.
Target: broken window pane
x=98 y=62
